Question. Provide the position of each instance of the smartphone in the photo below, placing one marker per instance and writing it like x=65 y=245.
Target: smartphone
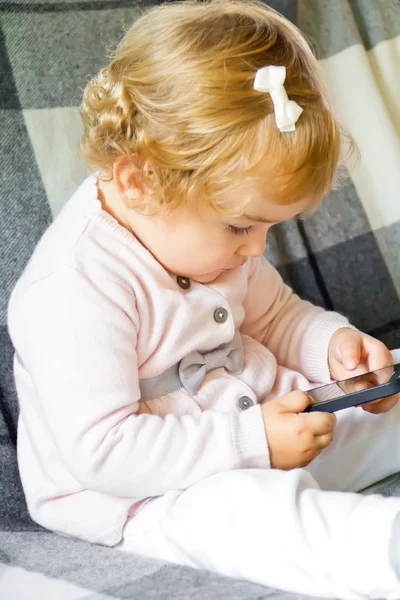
x=357 y=390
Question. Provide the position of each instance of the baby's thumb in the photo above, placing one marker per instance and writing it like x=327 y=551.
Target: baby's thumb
x=295 y=402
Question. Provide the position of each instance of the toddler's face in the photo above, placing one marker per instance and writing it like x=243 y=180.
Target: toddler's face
x=201 y=247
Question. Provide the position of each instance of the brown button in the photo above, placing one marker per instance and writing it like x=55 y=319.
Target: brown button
x=183 y=282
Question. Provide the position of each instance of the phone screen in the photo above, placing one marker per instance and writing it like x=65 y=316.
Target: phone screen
x=347 y=386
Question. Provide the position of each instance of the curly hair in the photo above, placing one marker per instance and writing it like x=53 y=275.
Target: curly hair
x=178 y=98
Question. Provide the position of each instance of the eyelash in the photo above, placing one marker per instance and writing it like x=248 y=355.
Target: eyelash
x=239 y=230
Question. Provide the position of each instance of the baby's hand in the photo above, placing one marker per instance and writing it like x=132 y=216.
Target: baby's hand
x=294 y=439
x=354 y=353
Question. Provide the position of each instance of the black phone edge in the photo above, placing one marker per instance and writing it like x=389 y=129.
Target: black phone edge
x=377 y=392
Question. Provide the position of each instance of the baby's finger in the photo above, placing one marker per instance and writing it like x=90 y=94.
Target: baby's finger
x=320 y=423
x=361 y=385
x=322 y=441
x=385 y=372
x=379 y=357
x=381 y=406
x=350 y=352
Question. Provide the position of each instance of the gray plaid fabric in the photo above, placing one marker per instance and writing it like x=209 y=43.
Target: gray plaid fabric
x=345 y=257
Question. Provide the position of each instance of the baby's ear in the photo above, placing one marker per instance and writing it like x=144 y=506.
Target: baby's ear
x=132 y=179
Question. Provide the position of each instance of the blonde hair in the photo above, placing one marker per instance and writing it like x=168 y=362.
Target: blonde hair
x=177 y=99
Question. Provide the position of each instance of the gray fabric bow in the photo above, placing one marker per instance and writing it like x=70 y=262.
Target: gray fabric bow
x=194 y=366
x=190 y=371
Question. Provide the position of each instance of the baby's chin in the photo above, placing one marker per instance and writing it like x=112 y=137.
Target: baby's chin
x=208 y=278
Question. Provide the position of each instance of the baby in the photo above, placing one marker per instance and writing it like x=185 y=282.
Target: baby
x=160 y=360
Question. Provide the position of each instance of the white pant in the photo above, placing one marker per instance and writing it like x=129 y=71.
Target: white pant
x=304 y=530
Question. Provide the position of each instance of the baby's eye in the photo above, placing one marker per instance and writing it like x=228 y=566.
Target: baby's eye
x=239 y=230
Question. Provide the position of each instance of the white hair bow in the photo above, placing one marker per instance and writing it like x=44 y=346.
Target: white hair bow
x=271 y=79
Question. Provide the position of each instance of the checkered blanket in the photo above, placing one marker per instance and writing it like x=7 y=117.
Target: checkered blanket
x=345 y=257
